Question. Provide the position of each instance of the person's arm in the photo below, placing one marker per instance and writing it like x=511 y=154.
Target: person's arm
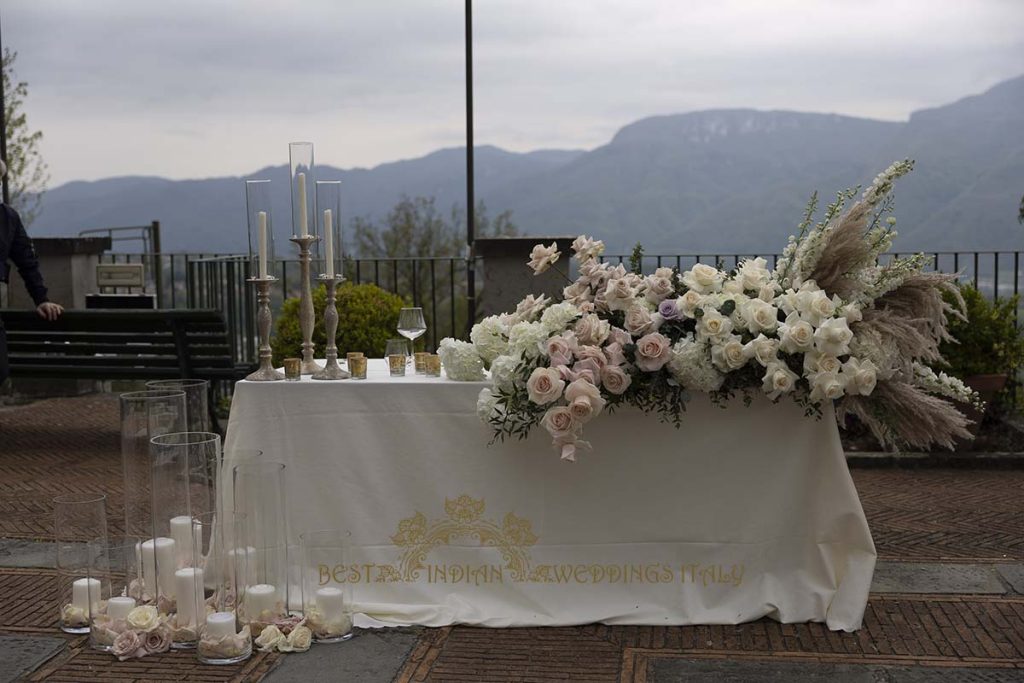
x=24 y=257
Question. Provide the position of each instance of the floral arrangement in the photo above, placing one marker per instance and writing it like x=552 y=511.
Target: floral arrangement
x=225 y=647
x=829 y=323
x=143 y=632
x=325 y=629
x=73 y=616
x=285 y=635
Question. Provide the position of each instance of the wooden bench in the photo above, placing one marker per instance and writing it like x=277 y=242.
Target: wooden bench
x=122 y=344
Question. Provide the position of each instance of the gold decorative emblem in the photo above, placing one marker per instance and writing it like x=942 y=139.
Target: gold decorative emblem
x=465 y=520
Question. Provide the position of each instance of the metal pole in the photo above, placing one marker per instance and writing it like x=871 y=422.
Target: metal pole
x=3 y=132
x=470 y=194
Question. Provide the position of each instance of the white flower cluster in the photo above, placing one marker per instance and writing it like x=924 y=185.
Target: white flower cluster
x=461 y=360
x=945 y=385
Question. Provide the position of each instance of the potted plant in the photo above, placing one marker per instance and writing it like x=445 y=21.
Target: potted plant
x=989 y=347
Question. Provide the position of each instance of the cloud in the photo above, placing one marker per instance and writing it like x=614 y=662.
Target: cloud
x=196 y=88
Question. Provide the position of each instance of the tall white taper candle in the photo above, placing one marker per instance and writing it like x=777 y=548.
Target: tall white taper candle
x=263 y=243
x=303 y=217
x=158 y=565
x=329 y=242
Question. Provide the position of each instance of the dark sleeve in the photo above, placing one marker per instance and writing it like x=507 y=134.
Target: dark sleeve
x=24 y=257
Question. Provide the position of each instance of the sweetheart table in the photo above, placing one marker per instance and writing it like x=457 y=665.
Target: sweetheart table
x=743 y=513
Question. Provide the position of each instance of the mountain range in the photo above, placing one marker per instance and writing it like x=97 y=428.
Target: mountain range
x=718 y=181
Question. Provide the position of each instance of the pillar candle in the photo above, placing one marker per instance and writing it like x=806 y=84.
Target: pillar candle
x=119 y=607
x=85 y=593
x=220 y=625
x=331 y=603
x=263 y=243
x=329 y=242
x=158 y=565
x=184 y=531
x=261 y=597
x=188 y=587
x=303 y=219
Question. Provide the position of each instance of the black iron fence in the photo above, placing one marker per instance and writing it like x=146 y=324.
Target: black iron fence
x=438 y=284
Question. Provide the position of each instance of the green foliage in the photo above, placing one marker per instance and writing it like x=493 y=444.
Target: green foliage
x=367 y=318
x=636 y=259
x=989 y=341
x=27 y=173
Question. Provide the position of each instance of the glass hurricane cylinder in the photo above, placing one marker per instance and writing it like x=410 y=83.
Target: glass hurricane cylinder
x=185 y=473
x=303 y=186
x=326 y=592
x=197 y=406
x=80 y=530
x=261 y=227
x=117 y=563
x=328 y=207
x=222 y=639
x=145 y=414
x=259 y=500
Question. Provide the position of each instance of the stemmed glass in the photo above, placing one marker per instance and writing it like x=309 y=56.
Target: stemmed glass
x=411 y=324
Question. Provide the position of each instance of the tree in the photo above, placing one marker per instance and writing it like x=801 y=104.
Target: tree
x=27 y=173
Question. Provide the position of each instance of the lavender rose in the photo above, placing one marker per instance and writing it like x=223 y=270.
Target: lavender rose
x=669 y=310
x=652 y=352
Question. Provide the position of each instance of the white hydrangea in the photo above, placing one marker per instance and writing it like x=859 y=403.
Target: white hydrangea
x=490 y=338
x=691 y=366
x=558 y=317
x=487 y=406
x=527 y=339
x=503 y=372
x=461 y=361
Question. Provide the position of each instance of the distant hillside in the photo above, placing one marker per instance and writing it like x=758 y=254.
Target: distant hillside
x=720 y=180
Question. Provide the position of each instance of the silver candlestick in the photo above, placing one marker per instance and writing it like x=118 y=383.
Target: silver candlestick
x=306 y=316
x=266 y=371
x=331 y=369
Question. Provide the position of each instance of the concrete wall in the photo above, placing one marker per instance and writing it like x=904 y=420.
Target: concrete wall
x=506 y=277
x=68 y=265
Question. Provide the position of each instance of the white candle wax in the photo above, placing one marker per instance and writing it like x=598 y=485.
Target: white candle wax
x=158 y=565
x=329 y=242
x=331 y=603
x=119 y=607
x=263 y=243
x=303 y=218
x=189 y=589
x=261 y=597
x=220 y=625
x=85 y=593
x=181 y=532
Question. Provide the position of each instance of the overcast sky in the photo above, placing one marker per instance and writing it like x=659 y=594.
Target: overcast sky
x=196 y=88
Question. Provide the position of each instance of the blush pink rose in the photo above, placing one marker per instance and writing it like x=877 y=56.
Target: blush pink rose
x=613 y=353
x=560 y=423
x=638 y=321
x=652 y=352
x=590 y=365
x=620 y=336
x=582 y=389
x=545 y=385
x=592 y=352
x=560 y=349
x=158 y=640
x=615 y=379
x=126 y=645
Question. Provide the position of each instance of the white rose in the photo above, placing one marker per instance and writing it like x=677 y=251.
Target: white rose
x=270 y=638
x=753 y=273
x=704 y=278
x=544 y=386
x=689 y=302
x=852 y=313
x=638 y=321
x=713 y=325
x=815 y=362
x=827 y=386
x=833 y=337
x=298 y=640
x=542 y=258
x=778 y=380
x=143 y=618
x=767 y=292
x=763 y=349
x=730 y=355
x=795 y=335
x=760 y=316
x=862 y=375
x=819 y=307
x=592 y=330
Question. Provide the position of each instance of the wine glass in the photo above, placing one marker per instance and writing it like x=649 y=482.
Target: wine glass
x=411 y=324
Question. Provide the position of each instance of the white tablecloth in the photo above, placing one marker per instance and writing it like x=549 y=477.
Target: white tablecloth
x=742 y=513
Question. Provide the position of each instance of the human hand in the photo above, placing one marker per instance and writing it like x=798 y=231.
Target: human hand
x=49 y=311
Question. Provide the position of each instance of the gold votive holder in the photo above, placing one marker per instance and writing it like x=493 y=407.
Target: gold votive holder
x=293 y=369
x=353 y=354
x=396 y=363
x=357 y=366
x=432 y=365
x=420 y=362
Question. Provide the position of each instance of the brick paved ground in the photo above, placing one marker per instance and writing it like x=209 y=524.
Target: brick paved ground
x=65 y=445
